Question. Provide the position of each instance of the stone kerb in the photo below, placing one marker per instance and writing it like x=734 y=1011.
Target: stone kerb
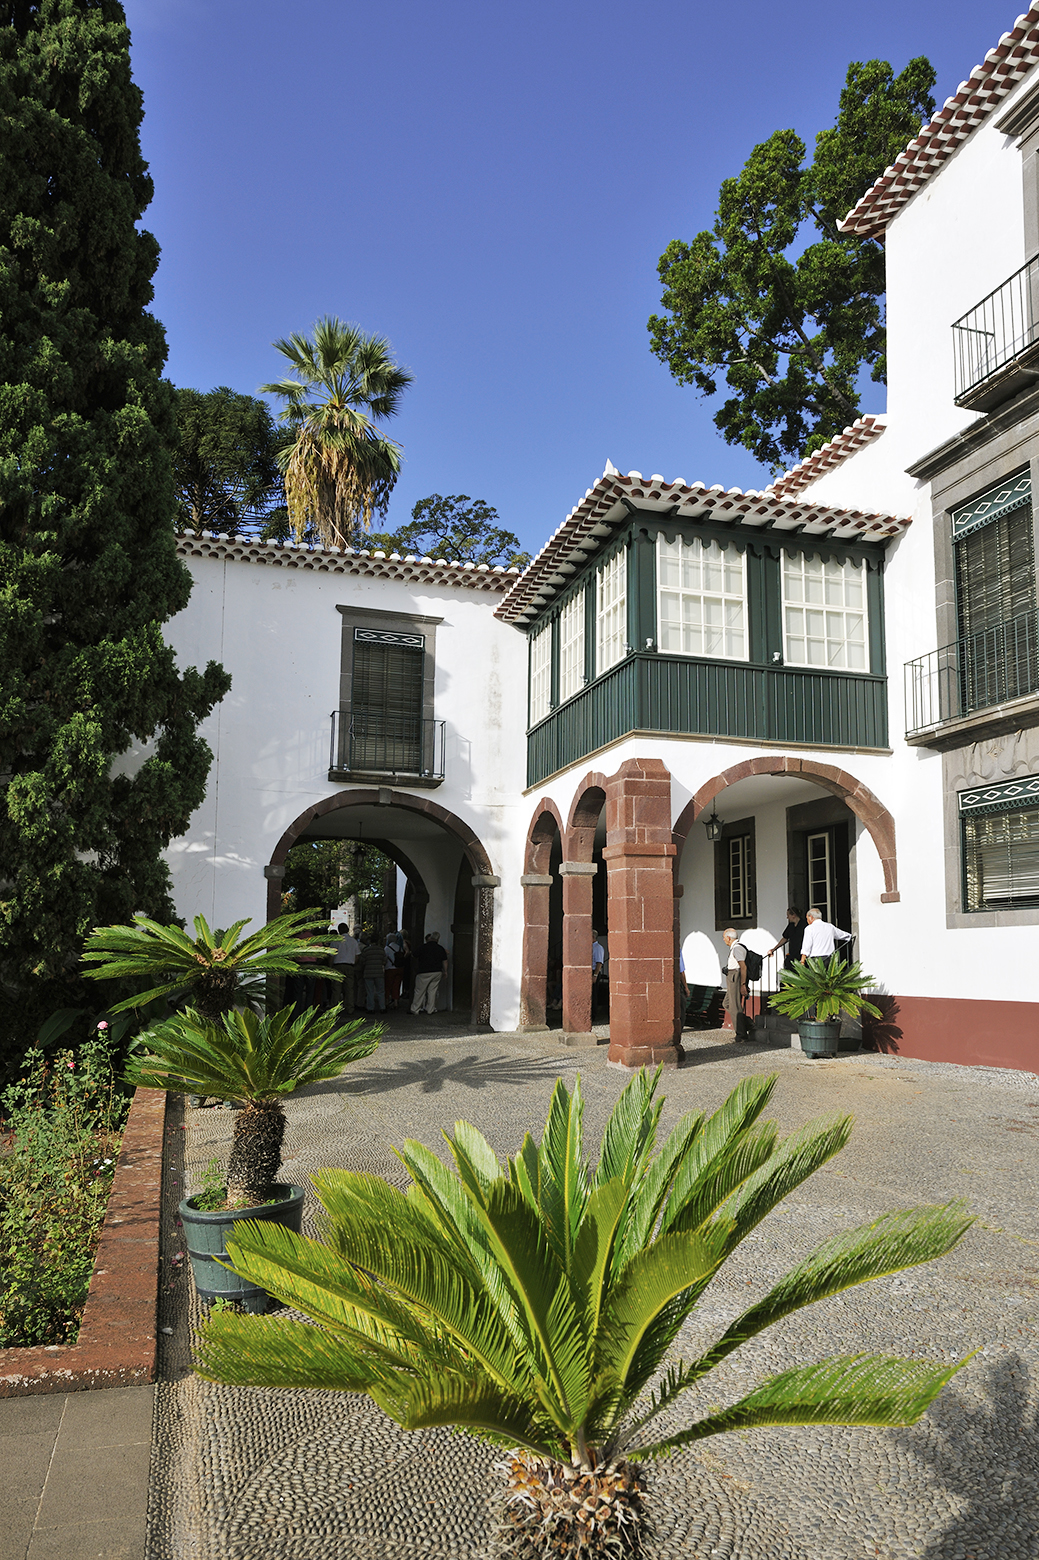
x=117 y=1336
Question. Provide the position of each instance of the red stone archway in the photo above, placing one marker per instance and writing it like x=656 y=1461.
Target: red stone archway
x=484 y=879
x=545 y=828
x=578 y=870
x=859 y=798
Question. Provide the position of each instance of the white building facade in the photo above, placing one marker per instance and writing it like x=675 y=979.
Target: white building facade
x=839 y=675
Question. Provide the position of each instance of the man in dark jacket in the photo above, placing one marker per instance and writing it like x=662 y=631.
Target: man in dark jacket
x=430 y=967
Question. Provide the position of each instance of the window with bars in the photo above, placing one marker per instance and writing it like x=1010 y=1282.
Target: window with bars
x=1001 y=860
x=996 y=611
x=540 y=674
x=824 y=613
x=571 y=647
x=386 y=701
x=611 y=612
x=701 y=598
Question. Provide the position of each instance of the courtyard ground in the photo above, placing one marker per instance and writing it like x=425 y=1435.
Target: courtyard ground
x=270 y=1475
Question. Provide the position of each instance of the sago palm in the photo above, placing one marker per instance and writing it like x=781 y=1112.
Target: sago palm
x=830 y=986
x=259 y=1061
x=339 y=467
x=216 y=969
x=534 y=1304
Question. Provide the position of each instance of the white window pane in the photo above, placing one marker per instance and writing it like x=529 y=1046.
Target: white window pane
x=711 y=603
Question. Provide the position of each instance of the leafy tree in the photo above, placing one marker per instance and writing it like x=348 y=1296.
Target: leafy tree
x=321 y=874
x=339 y=467
x=226 y=462
x=791 y=324
x=88 y=565
x=533 y=1304
x=455 y=527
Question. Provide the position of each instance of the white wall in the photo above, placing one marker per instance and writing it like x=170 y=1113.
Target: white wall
x=278 y=633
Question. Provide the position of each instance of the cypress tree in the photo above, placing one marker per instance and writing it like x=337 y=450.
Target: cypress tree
x=101 y=764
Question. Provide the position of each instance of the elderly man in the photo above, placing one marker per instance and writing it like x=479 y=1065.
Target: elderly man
x=736 y=985
x=820 y=938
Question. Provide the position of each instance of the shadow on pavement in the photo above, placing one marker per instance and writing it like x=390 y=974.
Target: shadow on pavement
x=432 y=1073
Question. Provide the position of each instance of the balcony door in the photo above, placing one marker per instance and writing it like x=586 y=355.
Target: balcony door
x=996 y=606
x=386 y=702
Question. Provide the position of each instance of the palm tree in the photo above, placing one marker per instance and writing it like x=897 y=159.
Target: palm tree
x=533 y=1304
x=339 y=467
x=216 y=968
x=258 y=1061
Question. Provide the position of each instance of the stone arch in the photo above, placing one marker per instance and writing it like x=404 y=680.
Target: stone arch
x=578 y=870
x=872 y=813
x=546 y=827
x=484 y=879
x=583 y=821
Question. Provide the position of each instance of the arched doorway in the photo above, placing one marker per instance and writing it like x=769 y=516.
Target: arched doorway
x=444 y=859
x=542 y=916
x=584 y=895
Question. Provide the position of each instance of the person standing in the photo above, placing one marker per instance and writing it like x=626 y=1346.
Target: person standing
x=736 y=985
x=394 y=957
x=792 y=937
x=345 y=960
x=430 y=967
x=373 y=972
x=820 y=938
x=600 y=988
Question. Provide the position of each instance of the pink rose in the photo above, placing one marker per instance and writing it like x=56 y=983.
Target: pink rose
x=103 y=1024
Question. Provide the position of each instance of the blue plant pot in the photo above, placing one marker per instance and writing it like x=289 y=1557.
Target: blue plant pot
x=207 y=1235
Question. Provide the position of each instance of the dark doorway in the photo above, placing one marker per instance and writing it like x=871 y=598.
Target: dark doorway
x=819 y=836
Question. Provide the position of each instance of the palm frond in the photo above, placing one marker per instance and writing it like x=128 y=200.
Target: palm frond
x=735 y=1117
x=630 y=1133
x=562 y=1172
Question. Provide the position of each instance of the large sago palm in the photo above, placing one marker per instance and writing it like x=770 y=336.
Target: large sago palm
x=339 y=467
x=535 y=1304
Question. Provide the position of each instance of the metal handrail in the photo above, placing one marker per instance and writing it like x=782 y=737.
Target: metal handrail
x=973 y=673
x=386 y=745
x=998 y=329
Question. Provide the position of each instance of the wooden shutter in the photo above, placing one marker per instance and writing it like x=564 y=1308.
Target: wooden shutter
x=996 y=605
x=1001 y=860
x=386 y=701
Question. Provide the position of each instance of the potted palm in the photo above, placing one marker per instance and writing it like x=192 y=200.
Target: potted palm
x=829 y=988
x=532 y=1303
x=259 y=1062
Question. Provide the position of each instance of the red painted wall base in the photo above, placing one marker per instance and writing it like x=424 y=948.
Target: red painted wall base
x=947 y=1029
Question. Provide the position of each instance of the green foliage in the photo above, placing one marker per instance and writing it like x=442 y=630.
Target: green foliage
x=830 y=986
x=212 y=1194
x=217 y=968
x=88 y=565
x=454 y=527
x=260 y=1061
x=321 y=874
x=339 y=467
x=791 y=324
x=534 y=1304
x=225 y=465
x=65 y=1117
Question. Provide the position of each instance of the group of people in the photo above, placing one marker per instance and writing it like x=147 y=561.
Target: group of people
x=806 y=937
x=386 y=972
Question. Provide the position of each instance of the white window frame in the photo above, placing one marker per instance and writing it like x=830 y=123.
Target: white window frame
x=737 y=852
x=571 y=647
x=540 y=674
x=696 y=604
x=824 y=622
x=611 y=612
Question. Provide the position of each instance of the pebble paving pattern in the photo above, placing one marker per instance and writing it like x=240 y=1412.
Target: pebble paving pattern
x=243 y=1474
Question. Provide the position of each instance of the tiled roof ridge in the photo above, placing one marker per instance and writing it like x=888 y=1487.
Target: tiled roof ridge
x=836 y=450
x=987 y=85
x=346 y=560
x=587 y=526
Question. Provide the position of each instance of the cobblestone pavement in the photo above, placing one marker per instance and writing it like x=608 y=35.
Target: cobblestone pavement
x=321 y=1476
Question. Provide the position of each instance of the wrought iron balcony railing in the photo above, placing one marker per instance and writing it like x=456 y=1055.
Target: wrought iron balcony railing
x=398 y=746
x=975 y=673
x=996 y=343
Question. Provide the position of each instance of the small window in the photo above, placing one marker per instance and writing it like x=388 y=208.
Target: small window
x=824 y=613
x=701 y=599
x=540 y=674
x=735 y=875
x=571 y=647
x=740 y=888
x=1001 y=860
x=820 y=873
x=611 y=612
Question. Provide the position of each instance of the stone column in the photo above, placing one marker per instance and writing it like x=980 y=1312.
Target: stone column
x=534 y=979
x=483 y=940
x=577 y=952
x=639 y=855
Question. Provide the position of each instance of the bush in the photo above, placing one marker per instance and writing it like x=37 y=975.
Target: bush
x=63 y=1124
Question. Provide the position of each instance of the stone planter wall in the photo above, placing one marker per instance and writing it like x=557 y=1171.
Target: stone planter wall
x=117 y=1336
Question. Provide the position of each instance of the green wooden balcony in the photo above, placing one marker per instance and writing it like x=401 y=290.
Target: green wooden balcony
x=692 y=697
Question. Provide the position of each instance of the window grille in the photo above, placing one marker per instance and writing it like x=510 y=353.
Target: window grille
x=540 y=674
x=571 y=647
x=611 y=615
x=824 y=613
x=1001 y=860
x=701 y=598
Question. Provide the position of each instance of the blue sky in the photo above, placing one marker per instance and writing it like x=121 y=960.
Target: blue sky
x=489 y=185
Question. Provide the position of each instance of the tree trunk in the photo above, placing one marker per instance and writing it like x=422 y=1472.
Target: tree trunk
x=256 y=1153
x=553 y=1508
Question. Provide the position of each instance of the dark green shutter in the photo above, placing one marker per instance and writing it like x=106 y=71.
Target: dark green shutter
x=386 y=702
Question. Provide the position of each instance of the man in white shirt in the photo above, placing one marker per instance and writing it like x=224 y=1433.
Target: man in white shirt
x=820 y=938
x=598 y=969
x=736 y=985
x=344 y=959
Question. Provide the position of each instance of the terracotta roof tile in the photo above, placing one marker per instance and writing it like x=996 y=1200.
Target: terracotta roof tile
x=320 y=560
